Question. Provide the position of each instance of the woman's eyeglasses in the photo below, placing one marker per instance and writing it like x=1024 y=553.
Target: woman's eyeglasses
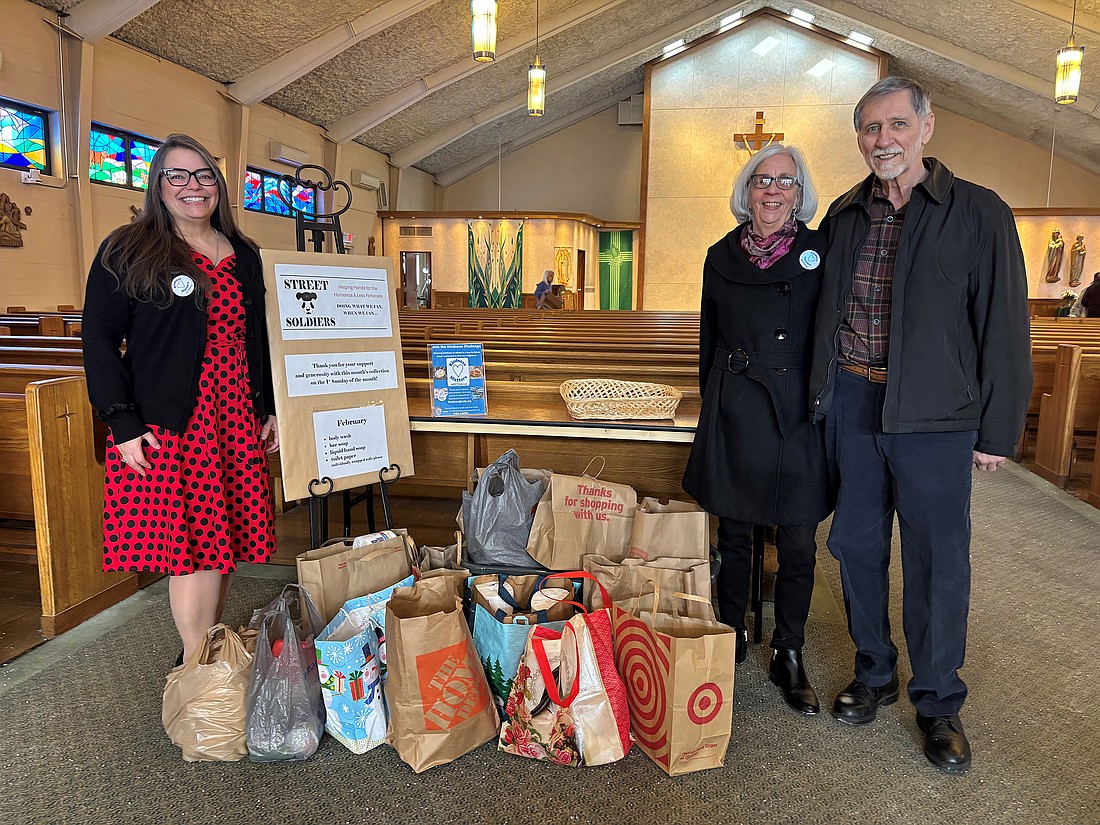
x=764 y=181
x=182 y=177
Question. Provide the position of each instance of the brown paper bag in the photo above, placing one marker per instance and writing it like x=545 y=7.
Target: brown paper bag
x=578 y=516
x=204 y=699
x=522 y=590
x=678 y=674
x=379 y=569
x=635 y=579
x=324 y=572
x=438 y=698
x=679 y=529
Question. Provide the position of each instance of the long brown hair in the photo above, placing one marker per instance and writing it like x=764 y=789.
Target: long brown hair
x=146 y=254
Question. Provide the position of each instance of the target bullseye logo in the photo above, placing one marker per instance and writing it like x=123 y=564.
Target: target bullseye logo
x=643 y=662
x=704 y=703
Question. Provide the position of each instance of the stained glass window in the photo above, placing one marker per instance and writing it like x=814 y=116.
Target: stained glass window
x=120 y=158
x=23 y=142
x=261 y=194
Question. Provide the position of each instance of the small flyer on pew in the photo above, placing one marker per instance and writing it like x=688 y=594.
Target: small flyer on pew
x=458 y=381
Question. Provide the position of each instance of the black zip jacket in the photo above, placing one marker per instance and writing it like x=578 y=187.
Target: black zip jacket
x=156 y=381
x=960 y=356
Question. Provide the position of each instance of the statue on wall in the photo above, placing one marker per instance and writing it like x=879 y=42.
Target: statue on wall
x=370 y=245
x=1077 y=261
x=1053 y=263
x=10 y=222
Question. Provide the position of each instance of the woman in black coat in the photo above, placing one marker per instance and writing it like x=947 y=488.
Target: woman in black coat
x=757 y=459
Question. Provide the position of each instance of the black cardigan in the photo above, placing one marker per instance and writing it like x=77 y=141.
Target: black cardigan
x=156 y=381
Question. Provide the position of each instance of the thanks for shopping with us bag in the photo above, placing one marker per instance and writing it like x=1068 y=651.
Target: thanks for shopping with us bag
x=679 y=529
x=285 y=714
x=496 y=516
x=633 y=578
x=204 y=699
x=505 y=610
x=326 y=574
x=568 y=704
x=678 y=673
x=438 y=699
x=351 y=664
x=580 y=515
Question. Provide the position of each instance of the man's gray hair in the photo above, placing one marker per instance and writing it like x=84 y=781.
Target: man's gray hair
x=806 y=206
x=918 y=96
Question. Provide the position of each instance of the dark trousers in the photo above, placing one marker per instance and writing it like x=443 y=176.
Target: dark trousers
x=924 y=478
x=794 y=583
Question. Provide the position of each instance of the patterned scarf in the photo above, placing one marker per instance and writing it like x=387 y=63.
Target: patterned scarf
x=764 y=252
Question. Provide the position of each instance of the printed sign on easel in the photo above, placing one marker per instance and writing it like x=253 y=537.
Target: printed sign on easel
x=458 y=380
x=337 y=368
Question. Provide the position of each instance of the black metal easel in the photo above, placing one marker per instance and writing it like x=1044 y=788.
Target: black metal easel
x=318 y=505
x=316 y=223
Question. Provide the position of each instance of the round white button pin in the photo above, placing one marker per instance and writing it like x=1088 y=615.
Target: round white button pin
x=809 y=259
x=182 y=285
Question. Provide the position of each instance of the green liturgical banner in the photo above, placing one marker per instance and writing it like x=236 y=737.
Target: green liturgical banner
x=496 y=264
x=616 y=270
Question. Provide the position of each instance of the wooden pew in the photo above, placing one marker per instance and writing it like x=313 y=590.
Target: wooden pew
x=1067 y=413
x=68 y=512
x=16 y=500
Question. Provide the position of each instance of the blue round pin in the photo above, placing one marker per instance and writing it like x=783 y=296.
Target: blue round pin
x=809 y=259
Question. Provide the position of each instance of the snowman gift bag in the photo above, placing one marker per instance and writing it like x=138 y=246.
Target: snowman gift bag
x=351 y=658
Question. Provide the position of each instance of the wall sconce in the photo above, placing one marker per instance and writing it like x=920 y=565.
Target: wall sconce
x=484 y=29
x=1067 y=82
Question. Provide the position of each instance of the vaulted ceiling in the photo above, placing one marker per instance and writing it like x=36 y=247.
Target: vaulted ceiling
x=398 y=76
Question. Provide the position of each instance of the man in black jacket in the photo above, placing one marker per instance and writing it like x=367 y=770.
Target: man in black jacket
x=922 y=370
x=1090 y=299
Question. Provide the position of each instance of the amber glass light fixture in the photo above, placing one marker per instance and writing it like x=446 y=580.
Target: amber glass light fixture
x=1067 y=82
x=536 y=78
x=484 y=28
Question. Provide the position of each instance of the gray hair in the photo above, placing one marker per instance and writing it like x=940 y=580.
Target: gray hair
x=918 y=96
x=806 y=206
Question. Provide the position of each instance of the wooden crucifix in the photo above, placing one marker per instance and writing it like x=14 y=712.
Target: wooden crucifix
x=757 y=140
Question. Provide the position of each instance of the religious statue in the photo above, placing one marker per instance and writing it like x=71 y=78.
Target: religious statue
x=1077 y=261
x=10 y=222
x=370 y=245
x=1053 y=263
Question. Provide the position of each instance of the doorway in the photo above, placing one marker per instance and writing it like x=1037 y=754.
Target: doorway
x=416 y=279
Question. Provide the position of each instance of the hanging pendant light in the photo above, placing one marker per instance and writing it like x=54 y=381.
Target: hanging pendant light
x=484 y=29
x=1067 y=82
x=536 y=78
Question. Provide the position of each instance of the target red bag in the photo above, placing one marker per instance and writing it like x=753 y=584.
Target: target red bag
x=678 y=673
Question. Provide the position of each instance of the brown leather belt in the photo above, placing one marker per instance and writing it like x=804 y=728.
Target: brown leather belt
x=876 y=375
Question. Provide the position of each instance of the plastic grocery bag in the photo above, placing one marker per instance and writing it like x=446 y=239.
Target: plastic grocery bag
x=497 y=515
x=285 y=716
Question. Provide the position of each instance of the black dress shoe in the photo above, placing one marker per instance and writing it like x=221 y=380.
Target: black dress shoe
x=945 y=743
x=786 y=671
x=857 y=704
x=742 y=649
x=179 y=660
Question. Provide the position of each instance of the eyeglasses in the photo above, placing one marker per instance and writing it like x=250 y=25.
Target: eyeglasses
x=783 y=181
x=182 y=177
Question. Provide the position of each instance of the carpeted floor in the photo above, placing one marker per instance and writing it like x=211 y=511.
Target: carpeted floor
x=81 y=741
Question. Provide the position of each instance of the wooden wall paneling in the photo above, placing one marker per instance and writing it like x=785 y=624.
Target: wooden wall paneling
x=68 y=493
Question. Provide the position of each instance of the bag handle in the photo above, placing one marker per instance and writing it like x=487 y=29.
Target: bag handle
x=588 y=466
x=552 y=689
x=580 y=574
x=541 y=616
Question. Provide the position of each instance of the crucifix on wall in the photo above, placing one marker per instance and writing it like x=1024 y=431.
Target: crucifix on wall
x=756 y=140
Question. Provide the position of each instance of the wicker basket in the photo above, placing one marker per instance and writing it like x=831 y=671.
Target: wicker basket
x=605 y=398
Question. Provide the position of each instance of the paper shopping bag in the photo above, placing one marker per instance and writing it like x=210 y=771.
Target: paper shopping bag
x=635 y=578
x=678 y=673
x=351 y=664
x=580 y=515
x=679 y=529
x=325 y=573
x=439 y=701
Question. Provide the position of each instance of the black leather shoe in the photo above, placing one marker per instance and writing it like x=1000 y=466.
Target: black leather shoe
x=786 y=671
x=857 y=704
x=179 y=660
x=742 y=649
x=945 y=743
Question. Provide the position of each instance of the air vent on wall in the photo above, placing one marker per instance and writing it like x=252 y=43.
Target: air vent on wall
x=286 y=154
x=630 y=111
x=415 y=231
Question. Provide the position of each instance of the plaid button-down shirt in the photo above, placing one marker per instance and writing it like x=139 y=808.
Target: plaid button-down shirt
x=865 y=331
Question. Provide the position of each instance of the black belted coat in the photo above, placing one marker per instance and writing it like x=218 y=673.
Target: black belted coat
x=757 y=457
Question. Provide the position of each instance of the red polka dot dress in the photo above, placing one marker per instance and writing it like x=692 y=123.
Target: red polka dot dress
x=206 y=503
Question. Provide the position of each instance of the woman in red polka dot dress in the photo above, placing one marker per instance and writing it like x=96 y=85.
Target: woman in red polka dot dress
x=187 y=490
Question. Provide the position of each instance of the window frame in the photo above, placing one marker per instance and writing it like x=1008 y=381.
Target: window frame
x=35 y=111
x=263 y=210
x=129 y=138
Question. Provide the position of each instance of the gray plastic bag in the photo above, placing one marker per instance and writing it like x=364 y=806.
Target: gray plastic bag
x=497 y=516
x=285 y=715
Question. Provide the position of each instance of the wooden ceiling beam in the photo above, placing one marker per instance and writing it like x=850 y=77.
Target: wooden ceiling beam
x=94 y=20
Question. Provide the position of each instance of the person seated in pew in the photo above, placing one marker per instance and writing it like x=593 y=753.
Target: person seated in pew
x=545 y=297
x=1090 y=298
x=757 y=458
x=190 y=404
